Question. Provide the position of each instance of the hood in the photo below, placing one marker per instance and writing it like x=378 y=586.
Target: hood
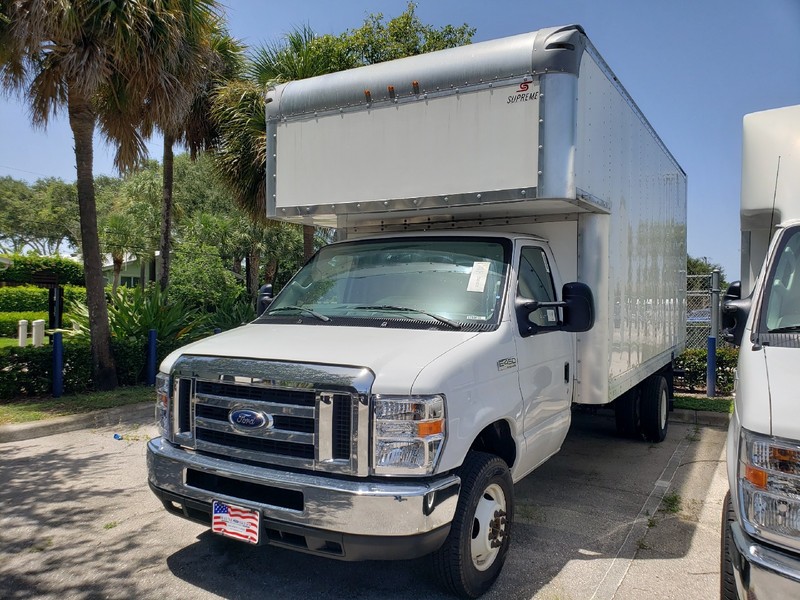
x=395 y=356
x=784 y=393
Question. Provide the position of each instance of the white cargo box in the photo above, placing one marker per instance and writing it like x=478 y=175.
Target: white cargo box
x=532 y=133
x=770 y=182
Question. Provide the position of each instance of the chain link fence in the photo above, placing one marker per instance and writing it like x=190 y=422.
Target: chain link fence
x=698 y=310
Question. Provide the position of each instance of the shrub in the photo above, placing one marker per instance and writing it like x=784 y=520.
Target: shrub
x=28 y=371
x=694 y=363
x=28 y=298
x=132 y=313
x=25 y=268
x=23 y=298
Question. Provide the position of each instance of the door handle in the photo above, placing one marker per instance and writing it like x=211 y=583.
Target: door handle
x=566 y=372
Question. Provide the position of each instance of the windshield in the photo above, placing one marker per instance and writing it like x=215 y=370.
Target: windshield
x=783 y=286
x=444 y=282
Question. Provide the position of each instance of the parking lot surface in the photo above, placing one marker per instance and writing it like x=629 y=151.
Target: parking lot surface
x=605 y=518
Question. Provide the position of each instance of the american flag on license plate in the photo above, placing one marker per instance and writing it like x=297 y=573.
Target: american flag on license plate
x=236 y=522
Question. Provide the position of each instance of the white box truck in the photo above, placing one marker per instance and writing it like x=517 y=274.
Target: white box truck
x=386 y=400
x=760 y=551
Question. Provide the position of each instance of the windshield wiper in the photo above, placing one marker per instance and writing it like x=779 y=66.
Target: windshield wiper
x=787 y=329
x=301 y=309
x=392 y=308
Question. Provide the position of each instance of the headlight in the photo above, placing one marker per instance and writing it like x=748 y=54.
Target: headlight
x=408 y=434
x=769 y=482
x=163 y=405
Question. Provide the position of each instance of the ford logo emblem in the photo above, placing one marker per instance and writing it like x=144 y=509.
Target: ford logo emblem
x=244 y=418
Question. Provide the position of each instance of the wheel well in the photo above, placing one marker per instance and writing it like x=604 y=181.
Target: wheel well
x=497 y=439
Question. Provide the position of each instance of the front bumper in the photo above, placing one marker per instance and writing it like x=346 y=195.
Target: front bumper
x=763 y=572
x=333 y=516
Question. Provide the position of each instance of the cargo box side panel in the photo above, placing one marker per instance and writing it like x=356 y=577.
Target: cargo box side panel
x=635 y=257
x=460 y=143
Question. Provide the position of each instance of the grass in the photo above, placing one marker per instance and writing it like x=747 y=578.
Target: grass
x=12 y=342
x=671 y=503
x=720 y=405
x=36 y=409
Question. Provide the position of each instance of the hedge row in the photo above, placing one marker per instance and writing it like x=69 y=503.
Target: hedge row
x=694 y=363
x=26 y=298
x=28 y=371
x=25 y=268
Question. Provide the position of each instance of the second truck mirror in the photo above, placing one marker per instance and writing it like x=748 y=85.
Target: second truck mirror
x=734 y=313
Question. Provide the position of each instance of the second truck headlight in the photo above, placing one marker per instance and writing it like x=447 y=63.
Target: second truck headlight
x=408 y=434
x=769 y=479
x=163 y=405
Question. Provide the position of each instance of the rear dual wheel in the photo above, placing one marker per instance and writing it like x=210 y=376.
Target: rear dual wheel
x=644 y=410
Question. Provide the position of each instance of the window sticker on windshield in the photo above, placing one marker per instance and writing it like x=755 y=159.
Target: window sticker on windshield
x=477 y=279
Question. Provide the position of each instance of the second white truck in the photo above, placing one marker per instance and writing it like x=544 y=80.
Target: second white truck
x=512 y=241
x=760 y=554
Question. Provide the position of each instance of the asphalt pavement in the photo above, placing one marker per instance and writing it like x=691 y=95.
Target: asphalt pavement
x=606 y=518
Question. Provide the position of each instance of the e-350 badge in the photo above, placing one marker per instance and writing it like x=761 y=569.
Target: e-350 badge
x=506 y=363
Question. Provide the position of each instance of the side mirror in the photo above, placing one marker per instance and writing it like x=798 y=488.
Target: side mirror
x=265 y=298
x=578 y=306
x=579 y=309
x=735 y=310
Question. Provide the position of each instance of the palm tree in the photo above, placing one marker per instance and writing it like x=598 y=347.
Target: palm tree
x=240 y=108
x=215 y=60
x=118 y=239
x=115 y=65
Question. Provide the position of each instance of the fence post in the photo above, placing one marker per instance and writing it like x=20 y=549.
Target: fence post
x=22 y=333
x=38 y=332
x=151 y=357
x=711 y=360
x=58 y=365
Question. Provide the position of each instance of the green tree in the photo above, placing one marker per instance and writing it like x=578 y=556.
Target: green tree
x=214 y=58
x=239 y=107
x=703 y=266
x=16 y=212
x=104 y=62
x=378 y=40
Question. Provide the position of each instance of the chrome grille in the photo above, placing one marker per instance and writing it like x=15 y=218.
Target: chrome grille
x=319 y=422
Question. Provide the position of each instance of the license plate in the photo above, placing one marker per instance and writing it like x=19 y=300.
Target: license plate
x=235 y=522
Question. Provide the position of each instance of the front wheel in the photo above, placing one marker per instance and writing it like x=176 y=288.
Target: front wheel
x=727 y=580
x=470 y=560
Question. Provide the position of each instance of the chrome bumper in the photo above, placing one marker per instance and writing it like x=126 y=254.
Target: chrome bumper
x=763 y=572
x=392 y=508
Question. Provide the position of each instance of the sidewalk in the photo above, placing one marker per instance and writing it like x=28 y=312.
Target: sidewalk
x=132 y=414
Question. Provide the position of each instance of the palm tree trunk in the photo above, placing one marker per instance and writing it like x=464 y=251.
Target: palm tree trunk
x=117 y=271
x=253 y=266
x=82 y=121
x=166 y=209
x=308 y=242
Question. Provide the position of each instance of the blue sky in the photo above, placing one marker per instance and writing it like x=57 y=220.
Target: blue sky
x=694 y=67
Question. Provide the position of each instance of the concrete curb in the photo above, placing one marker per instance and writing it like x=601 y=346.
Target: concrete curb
x=132 y=414
x=700 y=417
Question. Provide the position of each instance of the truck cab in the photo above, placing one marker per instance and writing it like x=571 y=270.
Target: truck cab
x=760 y=550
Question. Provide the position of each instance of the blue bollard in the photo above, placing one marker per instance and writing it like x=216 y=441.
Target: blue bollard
x=711 y=368
x=58 y=365
x=151 y=357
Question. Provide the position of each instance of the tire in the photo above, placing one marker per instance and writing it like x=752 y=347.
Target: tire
x=654 y=405
x=626 y=413
x=727 y=581
x=472 y=556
